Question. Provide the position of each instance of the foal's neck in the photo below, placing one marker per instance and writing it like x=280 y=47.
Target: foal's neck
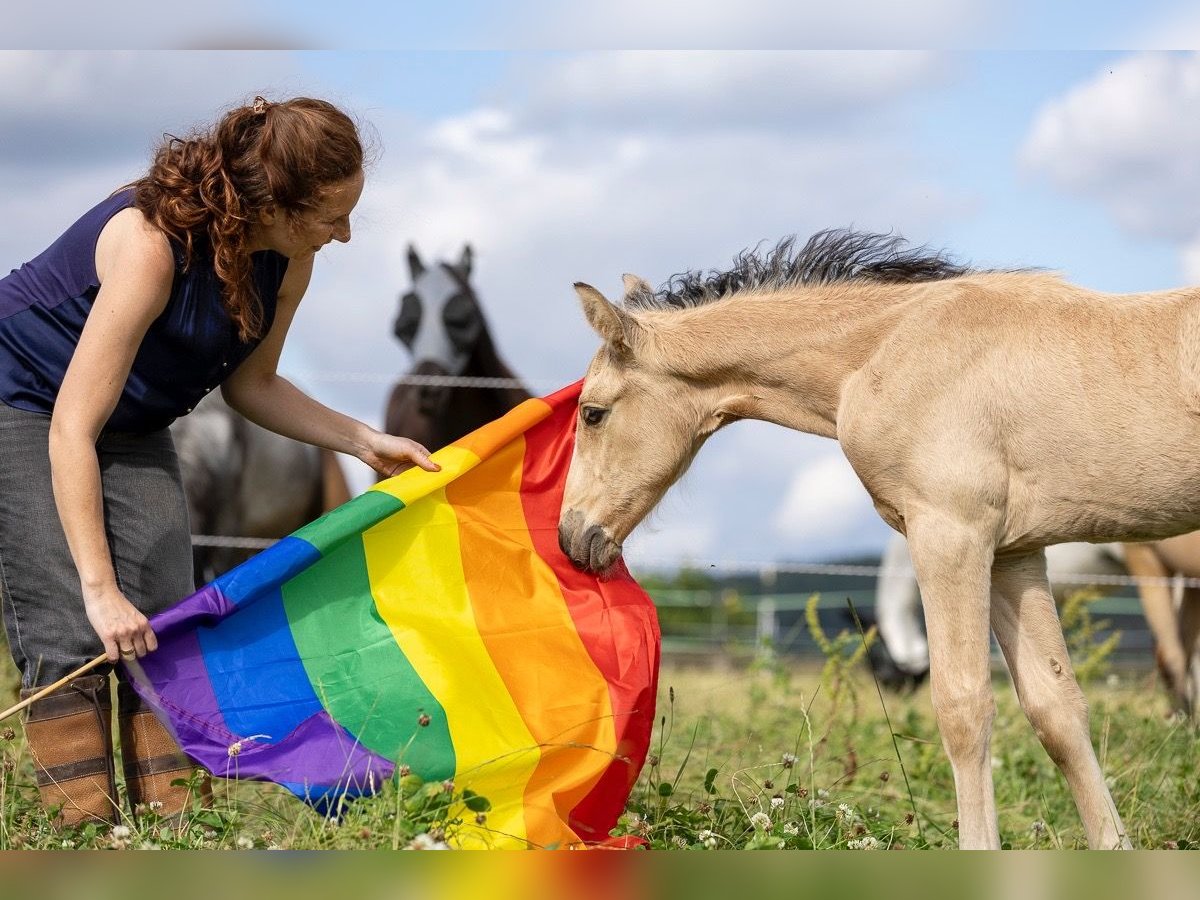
x=781 y=357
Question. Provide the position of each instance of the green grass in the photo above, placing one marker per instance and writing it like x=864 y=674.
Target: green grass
x=772 y=755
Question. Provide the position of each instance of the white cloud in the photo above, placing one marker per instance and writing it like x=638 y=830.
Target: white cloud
x=1129 y=139
x=826 y=503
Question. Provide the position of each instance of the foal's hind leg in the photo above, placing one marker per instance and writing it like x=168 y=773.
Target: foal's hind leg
x=1189 y=628
x=1029 y=633
x=953 y=565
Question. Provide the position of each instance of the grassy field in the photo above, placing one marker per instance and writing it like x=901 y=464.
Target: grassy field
x=771 y=755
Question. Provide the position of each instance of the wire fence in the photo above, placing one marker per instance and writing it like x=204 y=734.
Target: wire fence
x=755 y=613
x=456 y=381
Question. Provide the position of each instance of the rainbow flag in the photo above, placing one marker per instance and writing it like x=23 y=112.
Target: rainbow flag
x=431 y=623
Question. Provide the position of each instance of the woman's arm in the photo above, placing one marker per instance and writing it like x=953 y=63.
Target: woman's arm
x=135 y=266
x=258 y=392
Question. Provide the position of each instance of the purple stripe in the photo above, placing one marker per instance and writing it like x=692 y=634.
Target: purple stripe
x=205 y=607
x=319 y=754
x=186 y=691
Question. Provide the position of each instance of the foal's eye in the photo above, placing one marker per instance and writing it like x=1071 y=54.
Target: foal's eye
x=592 y=415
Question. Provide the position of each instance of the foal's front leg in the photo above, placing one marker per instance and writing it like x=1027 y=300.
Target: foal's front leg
x=1027 y=628
x=953 y=563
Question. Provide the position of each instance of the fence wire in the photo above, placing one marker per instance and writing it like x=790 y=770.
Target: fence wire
x=766 y=572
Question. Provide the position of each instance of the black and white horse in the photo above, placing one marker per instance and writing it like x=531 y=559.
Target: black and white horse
x=442 y=324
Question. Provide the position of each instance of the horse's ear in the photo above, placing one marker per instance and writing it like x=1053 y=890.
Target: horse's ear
x=415 y=266
x=466 y=261
x=637 y=290
x=617 y=327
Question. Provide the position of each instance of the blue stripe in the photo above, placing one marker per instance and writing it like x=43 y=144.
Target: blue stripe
x=259 y=682
x=267 y=571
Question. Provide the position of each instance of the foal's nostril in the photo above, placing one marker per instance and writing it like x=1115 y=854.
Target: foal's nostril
x=595 y=542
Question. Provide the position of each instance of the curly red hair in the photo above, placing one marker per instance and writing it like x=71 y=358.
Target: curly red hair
x=206 y=191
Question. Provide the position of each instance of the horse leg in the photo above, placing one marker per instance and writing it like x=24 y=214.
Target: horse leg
x=1030 y=635
x=953 y=565
x=1158 y=606
x=1189 y=628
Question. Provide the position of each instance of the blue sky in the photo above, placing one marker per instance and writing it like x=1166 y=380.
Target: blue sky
x=567 y=165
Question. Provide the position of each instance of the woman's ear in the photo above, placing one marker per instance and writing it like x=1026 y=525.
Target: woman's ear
x=268 y=215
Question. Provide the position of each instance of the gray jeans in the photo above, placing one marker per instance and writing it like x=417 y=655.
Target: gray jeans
x=145 y=519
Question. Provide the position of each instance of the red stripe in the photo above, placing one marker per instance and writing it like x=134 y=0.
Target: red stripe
x=615 y=618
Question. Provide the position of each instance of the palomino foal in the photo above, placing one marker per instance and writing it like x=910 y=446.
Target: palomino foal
x=988 y=414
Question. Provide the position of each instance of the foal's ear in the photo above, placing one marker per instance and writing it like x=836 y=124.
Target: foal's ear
x=637 y=290
x=466 y=261
x=415 y=266
x=617 y=327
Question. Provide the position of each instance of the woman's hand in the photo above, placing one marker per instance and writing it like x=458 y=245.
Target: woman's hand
x=125 y=632
x=391 y=455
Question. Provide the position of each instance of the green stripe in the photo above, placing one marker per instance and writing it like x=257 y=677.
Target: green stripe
x=349 y=520
x=357 y=670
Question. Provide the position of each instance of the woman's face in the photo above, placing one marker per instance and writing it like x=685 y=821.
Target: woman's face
x=300 y=237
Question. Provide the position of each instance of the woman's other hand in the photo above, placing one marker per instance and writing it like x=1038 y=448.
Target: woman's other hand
x=390 y=455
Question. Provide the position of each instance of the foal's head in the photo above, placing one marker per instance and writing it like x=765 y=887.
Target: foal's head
x=640 y=423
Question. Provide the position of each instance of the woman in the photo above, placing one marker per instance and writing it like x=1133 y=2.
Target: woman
x=186 y=280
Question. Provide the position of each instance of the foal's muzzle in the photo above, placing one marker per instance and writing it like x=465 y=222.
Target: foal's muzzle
x=589 y=547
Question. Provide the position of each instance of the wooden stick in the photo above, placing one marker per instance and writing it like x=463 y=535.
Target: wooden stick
x=32 y=698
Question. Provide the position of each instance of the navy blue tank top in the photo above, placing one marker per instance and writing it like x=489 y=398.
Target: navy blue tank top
x=188 y=350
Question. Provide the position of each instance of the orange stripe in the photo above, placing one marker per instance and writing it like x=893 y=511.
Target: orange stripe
x=562 y=696
x=485 y=441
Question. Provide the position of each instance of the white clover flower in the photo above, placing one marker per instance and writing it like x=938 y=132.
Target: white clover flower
x=426 y=842
x=707 y=838
x=1038 y=827
x=244 y=843
x=790 y=829
x=120 y=832
x=761 y=821
x=680 y=842
x=822 y=793
x=845 y=813
x=867 y=843
x=776 y=803
x=789 y=760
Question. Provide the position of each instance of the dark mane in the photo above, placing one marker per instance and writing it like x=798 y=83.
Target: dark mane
x=828 y=256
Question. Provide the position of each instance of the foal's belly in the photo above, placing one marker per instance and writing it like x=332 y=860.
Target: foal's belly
x=1126 y=491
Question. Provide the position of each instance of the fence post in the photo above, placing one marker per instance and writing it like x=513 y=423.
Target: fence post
x=767 y=624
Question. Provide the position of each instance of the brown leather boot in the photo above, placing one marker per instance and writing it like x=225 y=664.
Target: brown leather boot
x=70 y=737
x=152 y=761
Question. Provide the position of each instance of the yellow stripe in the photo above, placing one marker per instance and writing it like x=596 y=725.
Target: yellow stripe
x=414 y=564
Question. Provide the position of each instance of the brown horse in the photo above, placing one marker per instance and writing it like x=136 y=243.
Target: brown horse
x=988 y=414
x=442 y=324
x=1176 y=625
